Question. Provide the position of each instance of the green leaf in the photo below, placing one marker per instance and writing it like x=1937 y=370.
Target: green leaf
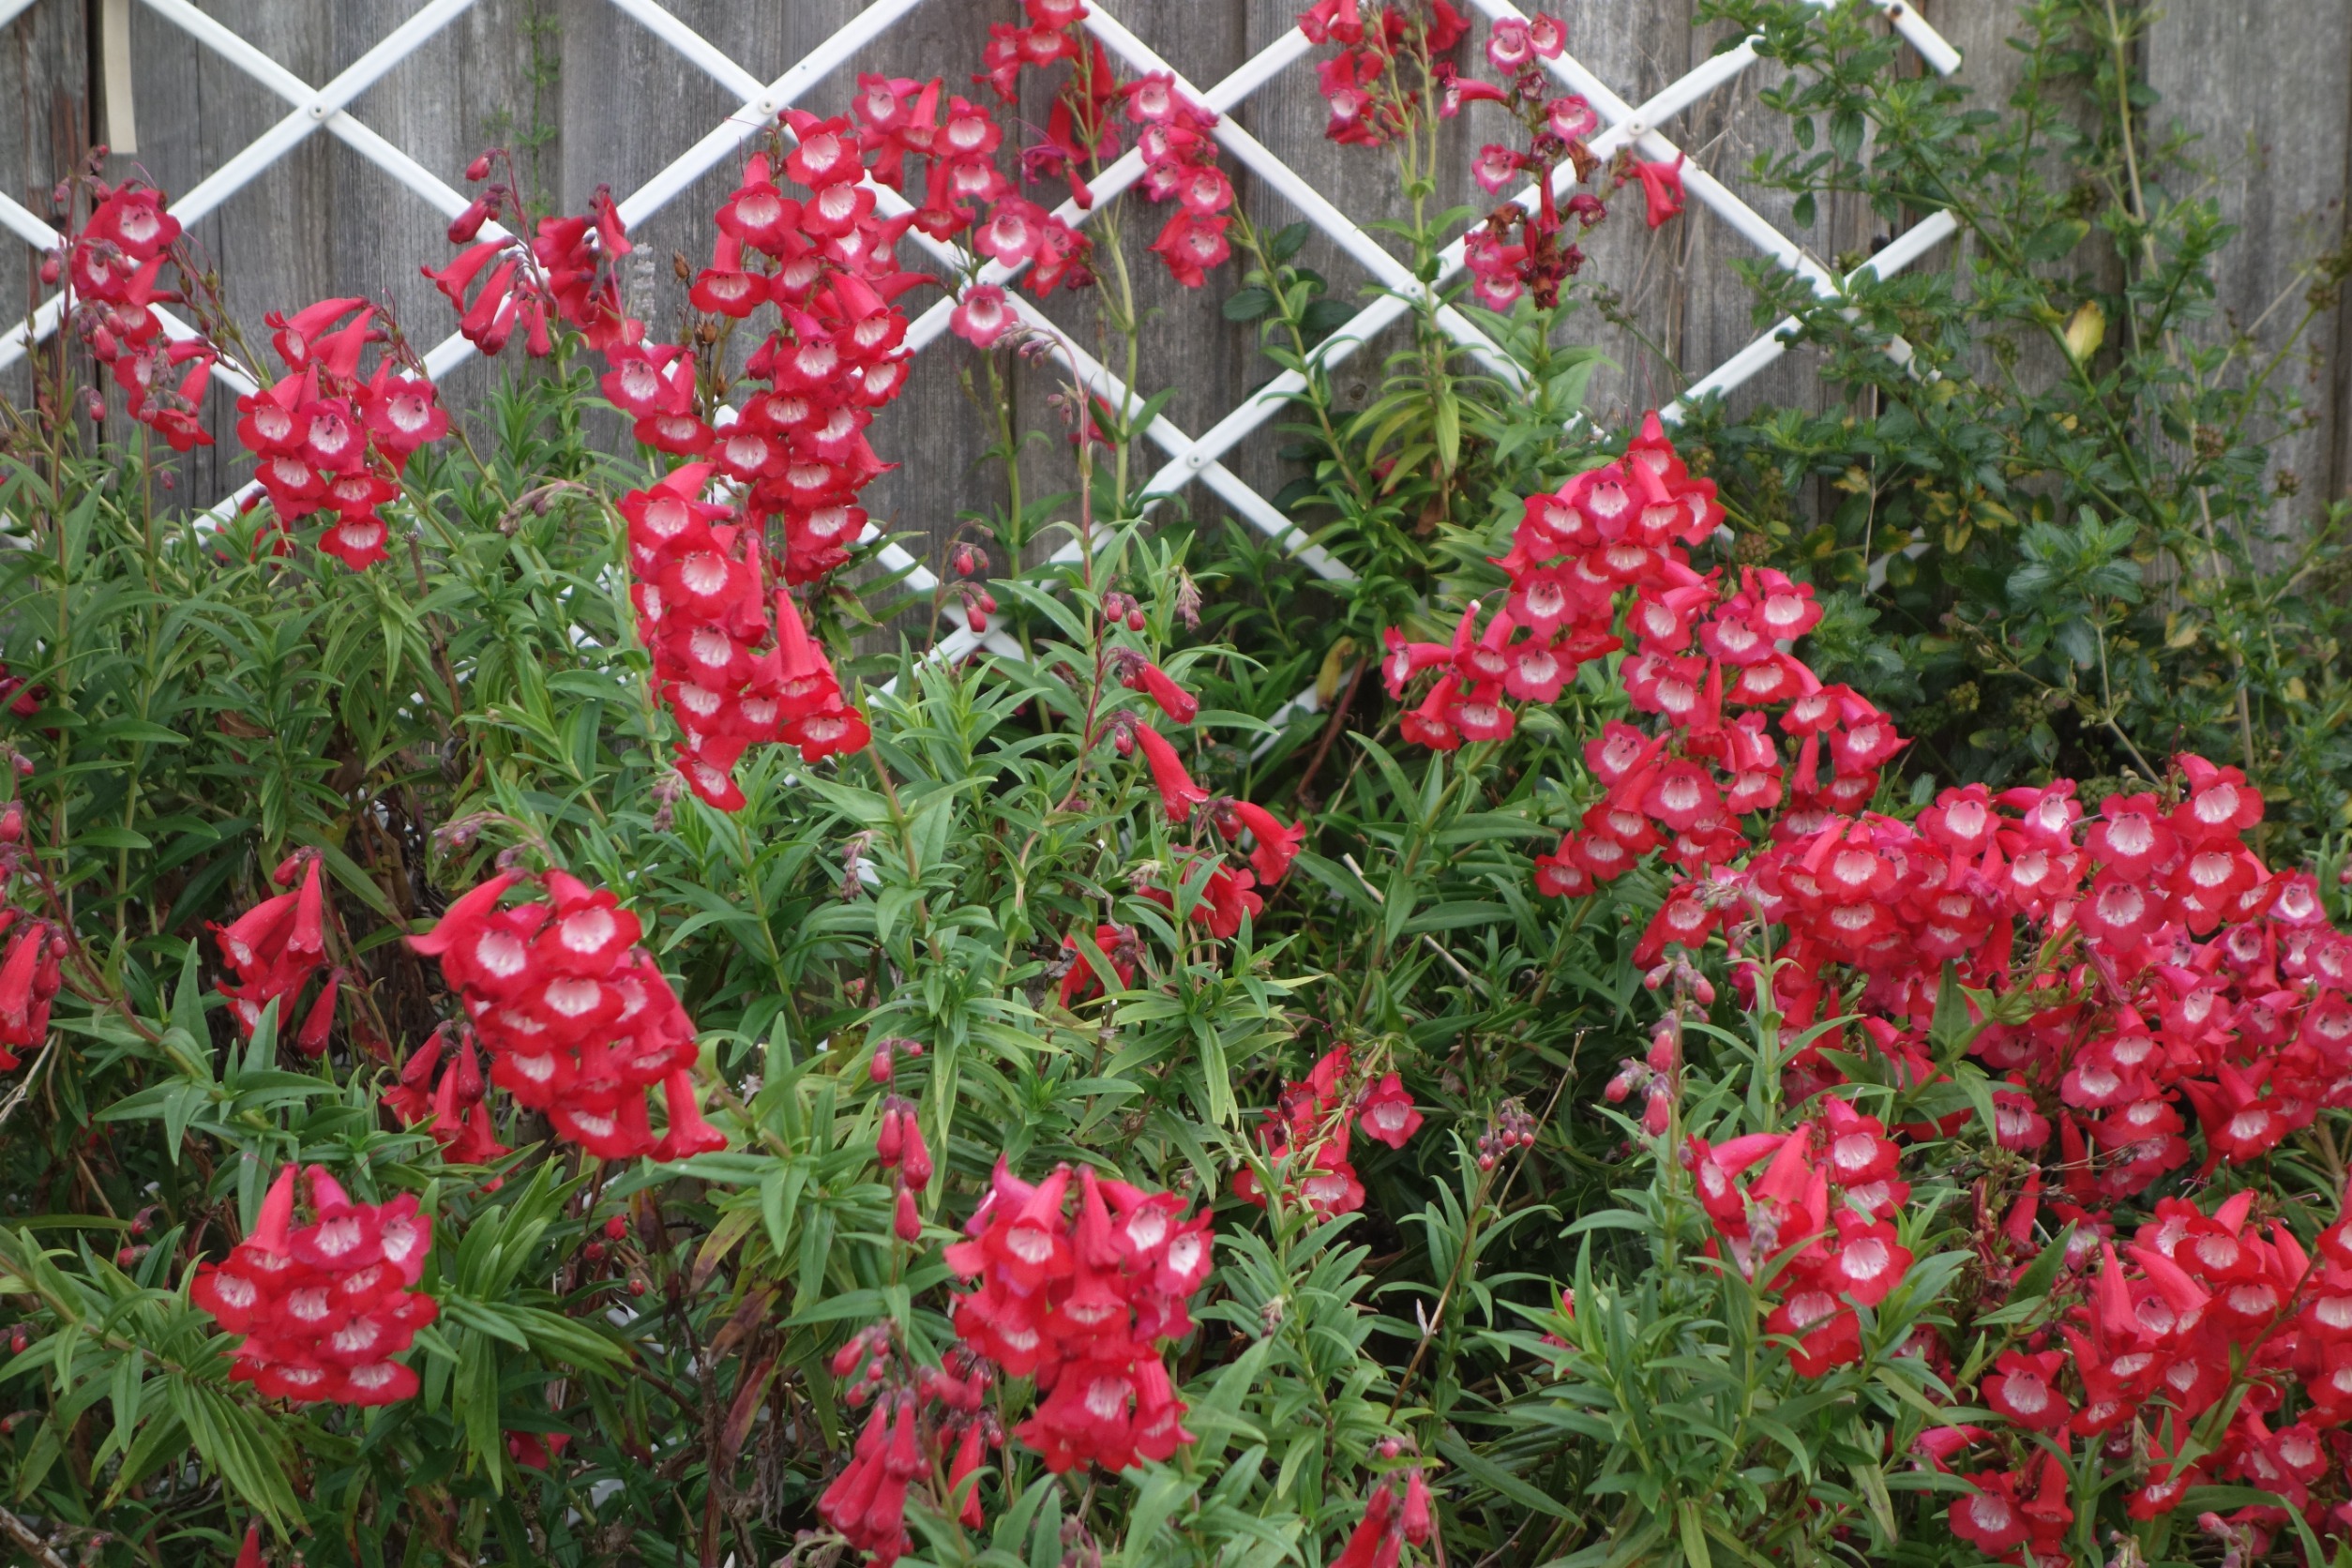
x=1248 y=305
x=2055 y=240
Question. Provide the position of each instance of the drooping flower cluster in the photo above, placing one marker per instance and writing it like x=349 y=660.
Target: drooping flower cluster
x=1316 y=1117
x=1539 y=259
x=326 y=441
x=273 y=949
x=1079 y=1279
x=1370 y=105
x=456 y=1110
x=579 y=1020
x=1623 y=533
x=923 y=1416
x=899 y=1145
x=1396 y=1512
x=565 y=271
x=732 y=678
x=1814 y=1220
x=112 y=270
x=31 y=974
x=830 y=267
x=326 y=1307
x=1180 y=165
x=2195 y=1311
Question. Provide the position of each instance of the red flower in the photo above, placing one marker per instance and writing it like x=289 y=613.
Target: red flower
x=1275 y=846
x=1662 y=190
x=1179 y=794
x=1076 y=1299
x=1387 y=1113
x=1989 y=1518
x=2023 y=1390
x=323 y=1307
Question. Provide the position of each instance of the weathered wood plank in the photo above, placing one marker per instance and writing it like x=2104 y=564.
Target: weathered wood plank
x=45 y=114
x=2268 y=92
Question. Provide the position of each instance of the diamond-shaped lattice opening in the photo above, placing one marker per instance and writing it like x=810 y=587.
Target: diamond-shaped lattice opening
x=726 y=89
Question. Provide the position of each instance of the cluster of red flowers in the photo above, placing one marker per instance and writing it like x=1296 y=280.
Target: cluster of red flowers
x=323 y=1308
x=830 y=267
x=30 y=976
x=115 y=273
x=1175 y=137
x=898 y=1146
x=732 y=678
x=1628 y=525
x=1317 y=1116
x=796 y=450
x=456 y=1110
x=274 y=947
x=1180 y=165
x=1815 y=1221
x=1397 y=1512
x=579 y=1020
x=565 y=271
x=1368 y=104
x=1228 y=893
x=2201 y=982
x=2194 y=1311
x=922 y=1416
x=324 y=439
x=1077 y=1297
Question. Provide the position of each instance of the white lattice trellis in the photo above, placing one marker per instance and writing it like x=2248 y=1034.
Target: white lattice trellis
x=1187 y=457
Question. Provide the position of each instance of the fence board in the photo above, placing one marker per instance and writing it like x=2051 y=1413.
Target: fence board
x=604 y=100
x=44 y=124
x=2267 y=91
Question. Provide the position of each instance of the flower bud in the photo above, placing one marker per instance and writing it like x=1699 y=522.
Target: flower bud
x=12 y=823
x=917 y=1162
x=616 y=1228
x=879 y=1068
x=1416 y=1515
x=479 y=169
x=1659 y=1113
x=908 y=1226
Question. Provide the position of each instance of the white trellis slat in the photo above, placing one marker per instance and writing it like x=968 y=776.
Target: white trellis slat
x=1188 y=457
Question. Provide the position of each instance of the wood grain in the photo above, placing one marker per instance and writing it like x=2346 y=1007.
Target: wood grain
x=588 y=97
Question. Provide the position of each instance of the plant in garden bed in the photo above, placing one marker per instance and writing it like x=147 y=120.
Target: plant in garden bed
x=2062 y=513
x=1573 y=1114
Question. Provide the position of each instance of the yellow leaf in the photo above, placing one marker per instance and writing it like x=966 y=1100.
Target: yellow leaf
x=2296 y=690
x=2087 y=331
x=2180 y=633
x=1334 y=666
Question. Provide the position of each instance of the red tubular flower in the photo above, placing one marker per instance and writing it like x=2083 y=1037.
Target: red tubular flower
x=1081 y=980
x=1387 y=1113
x=689 y=1134
x=1989 y=1518
x=1175 y=700
x=1276 y=847
x=1179 y=794
x=577 y=1023
x=1662 y=190
x=323 y=1307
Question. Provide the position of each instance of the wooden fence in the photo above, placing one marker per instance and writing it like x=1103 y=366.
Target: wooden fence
x=586 y=94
